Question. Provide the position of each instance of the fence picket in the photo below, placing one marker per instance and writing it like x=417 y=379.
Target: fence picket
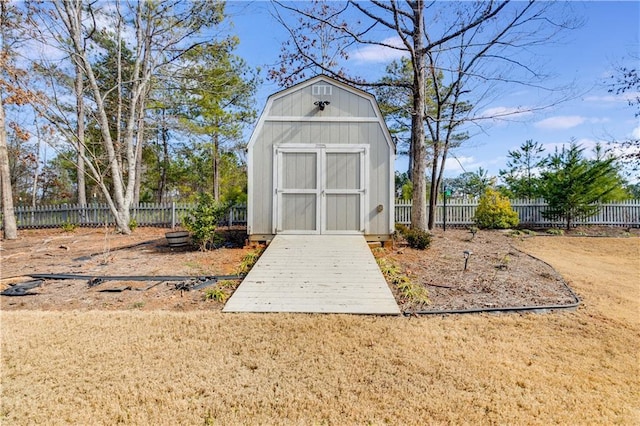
x=460 y=212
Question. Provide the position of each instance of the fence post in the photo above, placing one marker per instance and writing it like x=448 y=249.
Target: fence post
x=173 y=215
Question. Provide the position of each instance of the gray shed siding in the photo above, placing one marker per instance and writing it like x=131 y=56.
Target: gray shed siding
x=292 y=118
x=300 y=104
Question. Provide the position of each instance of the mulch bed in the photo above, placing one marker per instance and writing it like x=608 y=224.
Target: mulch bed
x=498 y=275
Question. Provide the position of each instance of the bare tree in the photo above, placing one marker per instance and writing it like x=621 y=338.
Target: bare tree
x=80 y=114
x=158 y=34
x=474 y=45
x=8 y=215
x=10 y=93
x=626 y=82
x=314 y=45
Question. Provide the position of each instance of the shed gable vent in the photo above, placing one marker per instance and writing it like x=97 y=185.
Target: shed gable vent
x=321 y=89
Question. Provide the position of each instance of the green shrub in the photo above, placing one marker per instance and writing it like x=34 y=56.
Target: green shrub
x=133 y=224
x=202 y=221
x=418 y=239
x=494 y=211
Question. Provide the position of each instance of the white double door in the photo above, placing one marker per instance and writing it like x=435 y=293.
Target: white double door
x=320 y=189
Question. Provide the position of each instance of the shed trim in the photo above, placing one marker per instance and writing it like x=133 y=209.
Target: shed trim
x=321 y=191
x=324 y=119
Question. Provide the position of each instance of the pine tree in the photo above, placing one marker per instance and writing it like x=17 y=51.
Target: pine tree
x=520 y=176
x=573 y=185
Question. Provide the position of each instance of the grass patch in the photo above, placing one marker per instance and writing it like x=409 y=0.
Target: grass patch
x=69 y=227
x=221 y=291
x=161 y=367
x=555 y=231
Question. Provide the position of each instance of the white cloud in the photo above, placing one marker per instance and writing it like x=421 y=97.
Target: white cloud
x=569 y=121
x=561 y=122
x=551 y=147
x=458 y=164
x=588 y=145
x=623 y=97
x=635 y=133
x=599 y=120
x=376 y=53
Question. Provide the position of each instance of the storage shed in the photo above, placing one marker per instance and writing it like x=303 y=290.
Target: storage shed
x=321 y=161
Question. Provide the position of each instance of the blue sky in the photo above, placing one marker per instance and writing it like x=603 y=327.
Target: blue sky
x=586 y=56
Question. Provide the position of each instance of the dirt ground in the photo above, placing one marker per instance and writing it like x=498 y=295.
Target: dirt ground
x=95 y=252
x=498 y=274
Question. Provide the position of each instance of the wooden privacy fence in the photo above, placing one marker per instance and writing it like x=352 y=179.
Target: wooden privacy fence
x=460 y=212
x=94 y=215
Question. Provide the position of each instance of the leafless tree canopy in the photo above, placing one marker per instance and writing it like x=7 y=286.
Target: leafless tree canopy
x=460 y=53
x=145 y=39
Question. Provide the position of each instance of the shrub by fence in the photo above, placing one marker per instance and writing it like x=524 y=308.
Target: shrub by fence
x=460 y=212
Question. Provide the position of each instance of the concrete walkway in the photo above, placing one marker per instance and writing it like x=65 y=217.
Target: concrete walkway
x=315 y=273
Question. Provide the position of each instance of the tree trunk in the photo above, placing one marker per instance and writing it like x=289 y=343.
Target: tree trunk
x=418 y=151
x=80 y=168
x=8 y=214
x=136 y=190
x=34 y=189
x=433 y=193
x=139 y=146
x=216 y=167
x=164 y=163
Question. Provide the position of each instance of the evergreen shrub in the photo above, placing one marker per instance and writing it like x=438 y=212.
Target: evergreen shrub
x=494 y=211
x=202 y=221
x=418 y=239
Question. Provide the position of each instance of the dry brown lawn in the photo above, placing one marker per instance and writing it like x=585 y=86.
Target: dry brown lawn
x=204 y=367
